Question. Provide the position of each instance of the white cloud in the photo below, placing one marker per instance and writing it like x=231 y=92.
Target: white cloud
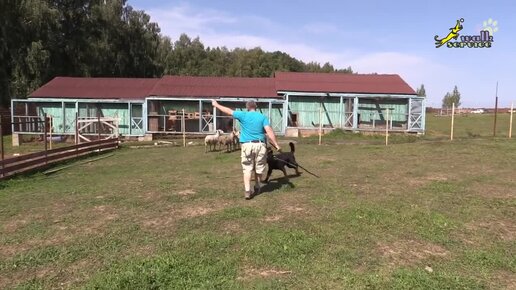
x=217 y=28
x=184 y=19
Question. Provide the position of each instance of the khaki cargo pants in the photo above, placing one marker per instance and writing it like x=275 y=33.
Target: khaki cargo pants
x=254 y=156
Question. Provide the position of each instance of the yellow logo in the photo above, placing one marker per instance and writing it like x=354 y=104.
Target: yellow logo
x=454 y=34
x=482 y=40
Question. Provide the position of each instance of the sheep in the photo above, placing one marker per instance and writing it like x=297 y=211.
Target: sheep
x=212 y=140
x=227 y=141
x=235 y=137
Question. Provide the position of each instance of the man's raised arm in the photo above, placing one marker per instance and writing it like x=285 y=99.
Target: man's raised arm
x=223 y=109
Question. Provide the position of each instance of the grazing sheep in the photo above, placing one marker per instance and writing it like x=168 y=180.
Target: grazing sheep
x=227 y=141
x=212 y=140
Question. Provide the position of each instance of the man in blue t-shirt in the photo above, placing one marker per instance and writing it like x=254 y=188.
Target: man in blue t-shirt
x=254 y=128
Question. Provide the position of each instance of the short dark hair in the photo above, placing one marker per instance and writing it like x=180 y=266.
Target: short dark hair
x=250 y=105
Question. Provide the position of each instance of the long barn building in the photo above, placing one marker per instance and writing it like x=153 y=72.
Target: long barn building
x=296 y=104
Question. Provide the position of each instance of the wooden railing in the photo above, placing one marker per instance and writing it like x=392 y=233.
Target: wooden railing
x=24 y=163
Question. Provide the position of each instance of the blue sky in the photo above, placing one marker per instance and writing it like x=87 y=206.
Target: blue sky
x=370 y=36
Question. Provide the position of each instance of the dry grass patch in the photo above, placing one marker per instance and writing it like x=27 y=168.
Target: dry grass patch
x=409 y=252
x=252 y=273
x=167 y=218
x=505 y=229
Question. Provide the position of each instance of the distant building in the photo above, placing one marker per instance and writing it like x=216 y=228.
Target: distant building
x=296 y=103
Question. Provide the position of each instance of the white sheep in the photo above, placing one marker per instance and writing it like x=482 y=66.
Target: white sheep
x=212 y=140
x=235 y=142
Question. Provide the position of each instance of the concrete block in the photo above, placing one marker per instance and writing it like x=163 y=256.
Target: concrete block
x=16 y=140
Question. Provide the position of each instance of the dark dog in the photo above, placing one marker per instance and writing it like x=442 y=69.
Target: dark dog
x=280 y=160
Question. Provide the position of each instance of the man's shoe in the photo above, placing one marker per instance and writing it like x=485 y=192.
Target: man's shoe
x=248 y=195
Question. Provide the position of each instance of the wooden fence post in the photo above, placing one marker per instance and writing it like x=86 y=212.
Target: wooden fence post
x=98 y=122
x=45 y=132
x=510 y=120
x=76 y=128
x=51 y=123
x=320 y=124
x=183 y=125
x=452 y=120
x=387 y=128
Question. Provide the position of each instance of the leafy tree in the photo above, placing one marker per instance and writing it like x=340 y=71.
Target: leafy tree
x=421 y=91
x=452 y=98
x=42 y=39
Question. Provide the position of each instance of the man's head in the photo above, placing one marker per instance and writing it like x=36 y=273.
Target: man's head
x=250 y=105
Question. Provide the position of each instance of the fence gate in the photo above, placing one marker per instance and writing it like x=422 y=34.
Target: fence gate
x=416 y=115
x=92 y=124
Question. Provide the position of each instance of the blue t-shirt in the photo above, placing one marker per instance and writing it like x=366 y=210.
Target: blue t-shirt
x=252 y=125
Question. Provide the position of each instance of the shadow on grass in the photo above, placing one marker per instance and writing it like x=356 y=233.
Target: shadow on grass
x=276 y=184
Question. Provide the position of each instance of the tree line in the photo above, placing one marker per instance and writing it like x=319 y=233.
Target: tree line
x=41 y=39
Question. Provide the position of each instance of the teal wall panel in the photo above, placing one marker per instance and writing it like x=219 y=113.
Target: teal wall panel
x=370 y=110
x=308 y=110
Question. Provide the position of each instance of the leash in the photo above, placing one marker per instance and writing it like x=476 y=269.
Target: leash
x=313 y=174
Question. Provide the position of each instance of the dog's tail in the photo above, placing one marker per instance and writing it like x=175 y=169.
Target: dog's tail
x=292 y=147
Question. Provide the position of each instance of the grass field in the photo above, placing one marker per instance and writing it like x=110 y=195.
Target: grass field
x=422 y=213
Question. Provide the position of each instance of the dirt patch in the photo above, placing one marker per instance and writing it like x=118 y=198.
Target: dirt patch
x=505 y=280
x=13 y=225
x=437 y=177
x=95 y=220
x=167 y=218
x=232 y=227
x=407 y=252
x=186 y=192
x=493 y=191
x=505 y=229
x=191 y=212
x=273 y=218
x=16 y=278
x=251 y=273
x=294 y=208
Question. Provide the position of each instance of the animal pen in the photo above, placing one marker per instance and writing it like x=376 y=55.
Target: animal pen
x=297 y=104
x=164 y=115
x=87 y=120
x=354 y=113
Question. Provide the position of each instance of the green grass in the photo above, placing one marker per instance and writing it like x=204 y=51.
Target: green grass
x=175 y=218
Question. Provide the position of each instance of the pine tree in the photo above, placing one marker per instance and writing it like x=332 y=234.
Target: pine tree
x=421 y=91
x=452 y=98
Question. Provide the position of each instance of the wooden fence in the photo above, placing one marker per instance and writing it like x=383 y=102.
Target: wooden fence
x=24 y=163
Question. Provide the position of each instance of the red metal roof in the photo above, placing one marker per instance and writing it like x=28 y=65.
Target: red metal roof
x=96 y=88
x=342 y=83
x=189 y=86
x=208 y=87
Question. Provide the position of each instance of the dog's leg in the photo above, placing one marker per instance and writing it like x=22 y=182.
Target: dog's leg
x=269 y=172
x=284 y=171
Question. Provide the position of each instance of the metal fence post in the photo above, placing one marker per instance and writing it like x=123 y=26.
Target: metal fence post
x=76 y=128
x=45 y=131
x=98 y=121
